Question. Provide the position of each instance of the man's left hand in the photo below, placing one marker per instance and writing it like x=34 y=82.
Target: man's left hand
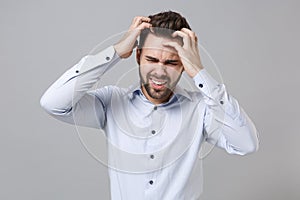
x=188 y=52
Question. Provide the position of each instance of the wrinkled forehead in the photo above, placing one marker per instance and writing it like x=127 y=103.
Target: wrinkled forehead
x=156 y=43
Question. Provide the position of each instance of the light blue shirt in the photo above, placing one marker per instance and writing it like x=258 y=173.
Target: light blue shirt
x=153 y=150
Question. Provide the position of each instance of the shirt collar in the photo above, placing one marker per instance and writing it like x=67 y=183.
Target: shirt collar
x=136 y=90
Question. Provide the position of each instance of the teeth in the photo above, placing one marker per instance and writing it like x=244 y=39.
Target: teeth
x=158 y=82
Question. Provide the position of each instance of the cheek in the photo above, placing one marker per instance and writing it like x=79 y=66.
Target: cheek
x=148 y=67
x=174 y=73
x=144 y=70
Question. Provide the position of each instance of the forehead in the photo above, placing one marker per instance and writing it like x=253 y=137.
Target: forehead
x=154 y=44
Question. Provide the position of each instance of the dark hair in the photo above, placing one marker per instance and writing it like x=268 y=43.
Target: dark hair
x=164 y=24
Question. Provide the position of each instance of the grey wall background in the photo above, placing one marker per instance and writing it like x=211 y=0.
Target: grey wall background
x=254 y=43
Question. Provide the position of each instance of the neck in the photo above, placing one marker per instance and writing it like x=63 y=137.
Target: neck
x=153 y=100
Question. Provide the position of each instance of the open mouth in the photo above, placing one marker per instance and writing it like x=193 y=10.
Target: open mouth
x=158 y=83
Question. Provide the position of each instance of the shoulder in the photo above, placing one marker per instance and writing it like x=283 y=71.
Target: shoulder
x=105 y=93
x=109 y=90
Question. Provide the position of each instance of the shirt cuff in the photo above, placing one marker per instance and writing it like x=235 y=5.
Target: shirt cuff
x=205 y=82
x=91 y=61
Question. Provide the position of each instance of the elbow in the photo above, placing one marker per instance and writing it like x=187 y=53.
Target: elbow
x=255 y=146
x=252 y=138
x=254 y=141
x=243 y=150
x=251 y=146
x=44 y=104
x=247 y=145
x=51 y=107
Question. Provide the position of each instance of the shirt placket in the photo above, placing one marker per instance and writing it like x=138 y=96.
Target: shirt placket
x=158 y=117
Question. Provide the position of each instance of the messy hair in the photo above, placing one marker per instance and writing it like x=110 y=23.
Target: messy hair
x=163 y=24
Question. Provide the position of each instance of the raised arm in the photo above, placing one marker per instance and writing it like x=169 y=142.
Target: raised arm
x=225 y=122
x=69 y=99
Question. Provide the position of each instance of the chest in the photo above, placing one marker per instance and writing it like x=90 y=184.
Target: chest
x=140 y=127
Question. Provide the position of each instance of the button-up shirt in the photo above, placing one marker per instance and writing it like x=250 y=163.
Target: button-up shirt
x=153 y=150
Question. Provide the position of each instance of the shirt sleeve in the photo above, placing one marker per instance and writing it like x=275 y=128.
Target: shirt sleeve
x=225 y=123
x=68 y=99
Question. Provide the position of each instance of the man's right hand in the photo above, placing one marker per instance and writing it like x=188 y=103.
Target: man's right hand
x=128 y=42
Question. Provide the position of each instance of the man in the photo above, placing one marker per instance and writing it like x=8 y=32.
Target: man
x=155 y=130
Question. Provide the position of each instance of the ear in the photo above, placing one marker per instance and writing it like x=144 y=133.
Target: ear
x=138 y=55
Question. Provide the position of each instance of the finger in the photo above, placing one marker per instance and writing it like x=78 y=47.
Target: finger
x=145 y=19
x=135 y=32
x=139 y=19
x=144 y=25
x=175 y=45
x=142 y=18
x=141 y=26
x=189 y=32
x=192 y=35
x=184 y=36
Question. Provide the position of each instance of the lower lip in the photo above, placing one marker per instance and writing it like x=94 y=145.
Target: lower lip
x=157 y=87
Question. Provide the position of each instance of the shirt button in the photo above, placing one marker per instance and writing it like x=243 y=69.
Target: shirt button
x=153 y=132
x=155 y=108
x=151 y=182
x=201 y=85
x=221 y=102
x=77 y=71
x=107 y=58
x=152 y=156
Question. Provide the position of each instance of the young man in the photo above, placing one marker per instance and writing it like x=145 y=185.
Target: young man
x=155 y=130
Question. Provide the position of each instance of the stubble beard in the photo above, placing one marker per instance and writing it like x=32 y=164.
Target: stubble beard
x=163 y=94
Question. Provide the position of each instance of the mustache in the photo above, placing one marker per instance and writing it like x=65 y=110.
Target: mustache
x=164 y=77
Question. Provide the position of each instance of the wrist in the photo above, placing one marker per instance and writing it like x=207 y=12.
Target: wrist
x=117 y=50
x=122 y=51
x=192 y=73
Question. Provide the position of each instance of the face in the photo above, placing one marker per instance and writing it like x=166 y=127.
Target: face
x=160 y=69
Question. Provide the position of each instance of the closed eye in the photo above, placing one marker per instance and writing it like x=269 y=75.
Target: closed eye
x=166 y=62
x=151 y=59
x=171 y=62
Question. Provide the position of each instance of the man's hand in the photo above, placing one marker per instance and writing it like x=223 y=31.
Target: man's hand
x=128 y=42
x=188 y=52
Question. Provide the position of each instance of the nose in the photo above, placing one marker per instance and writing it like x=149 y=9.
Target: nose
x=160 y=69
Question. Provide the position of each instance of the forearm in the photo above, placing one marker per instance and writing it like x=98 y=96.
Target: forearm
x=231 y=128
x=76 y=81
x=226 y=123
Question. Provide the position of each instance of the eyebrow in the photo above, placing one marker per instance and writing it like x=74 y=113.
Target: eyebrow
x=166 y=61
x=152 y=58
